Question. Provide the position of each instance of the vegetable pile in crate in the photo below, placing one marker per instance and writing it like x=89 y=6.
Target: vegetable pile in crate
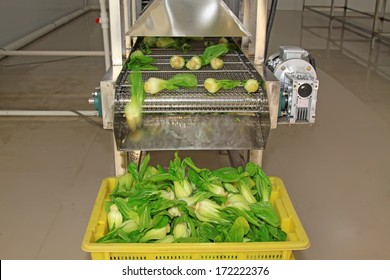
x=187 y=204
x=185 y=248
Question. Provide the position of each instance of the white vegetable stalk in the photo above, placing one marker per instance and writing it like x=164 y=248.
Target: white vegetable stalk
x=251 y=85
x=208 y=211
x=211 y=85
x=246 y=193
x=183 y=189
x=174 y=212
x=114 y=218
x=181 y=230
x=133 y=115
x=177 y=62
x=169 y=195
x=216 y=63
x=154 y=234
x=154 y=85
x=129 y=226
x=166 y=239
x=195 y=63
x=217 y=190
x=237 y=201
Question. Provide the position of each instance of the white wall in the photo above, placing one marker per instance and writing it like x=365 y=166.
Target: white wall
x=20 y=17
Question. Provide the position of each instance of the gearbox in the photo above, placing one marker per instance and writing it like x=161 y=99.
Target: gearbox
x=295 y=69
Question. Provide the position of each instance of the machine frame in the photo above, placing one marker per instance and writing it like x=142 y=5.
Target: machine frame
x=122 y=14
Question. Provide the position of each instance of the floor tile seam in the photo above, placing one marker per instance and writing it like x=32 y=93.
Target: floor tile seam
x=81 y=164
x=49 y=230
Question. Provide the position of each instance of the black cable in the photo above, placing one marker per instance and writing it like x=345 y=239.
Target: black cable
x=88 y=119
x=312 y=61
x=270 y=22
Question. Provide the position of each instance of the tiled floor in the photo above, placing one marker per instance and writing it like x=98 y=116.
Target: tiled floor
x=335 y=171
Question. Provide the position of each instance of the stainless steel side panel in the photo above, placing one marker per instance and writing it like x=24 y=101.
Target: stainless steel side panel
x=107 y=89
x=200 y=18
x=194 y=132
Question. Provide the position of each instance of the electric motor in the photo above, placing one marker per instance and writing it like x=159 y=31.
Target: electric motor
x=295 y=69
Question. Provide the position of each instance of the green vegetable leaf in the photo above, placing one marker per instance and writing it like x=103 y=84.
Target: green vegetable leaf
x=143 y=167
x=144 y=217
x=213 y=85
x=266 y=212
x=139 y=61
x=277 y=233
x=154 y=85
x=133 y=109
x=213 y=51
x=238 y=230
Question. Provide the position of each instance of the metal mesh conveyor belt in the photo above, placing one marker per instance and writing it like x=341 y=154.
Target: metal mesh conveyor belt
x=194 y=118
x=236 y=67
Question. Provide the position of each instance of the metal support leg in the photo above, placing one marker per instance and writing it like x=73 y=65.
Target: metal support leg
x=261 y=28
x=120 y=160
x=256 y=156
x=116 y=32
x=127 y=25
x=331 y=15
x=377 y=25
x=248 y=13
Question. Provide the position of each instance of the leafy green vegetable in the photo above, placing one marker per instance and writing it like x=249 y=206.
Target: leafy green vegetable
x=212 y=52
x=223 y=40
x=262 y=182
x=182 y=187
x=150 y=41
x=114 y=217
x=123 y=185
x=155 y=85
x=158 y=232
x=212 y=85
x=181 y=230
x=165 y=42
x=195 y=63
x=133 y=109
x=216 y=63
x=246 y=192
x=209 y=211
x=237 y=201
x=266 y=212
x=186 y=203
x=176 y=43
x=238 y=230
x=139 y=61
x=177 y=62
x=166 y=239
x=210 y=56
x=184 y=80
x=251 y=85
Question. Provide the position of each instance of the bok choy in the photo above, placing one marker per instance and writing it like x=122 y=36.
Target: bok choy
x=212 y=85
x=133 y=109
x=211 y=53
x=155 y=85
x=185 y=203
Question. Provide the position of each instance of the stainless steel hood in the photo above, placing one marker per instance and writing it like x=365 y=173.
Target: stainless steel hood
x=179 y=18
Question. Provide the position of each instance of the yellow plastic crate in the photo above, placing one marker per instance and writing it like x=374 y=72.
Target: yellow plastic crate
x=290 y=223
